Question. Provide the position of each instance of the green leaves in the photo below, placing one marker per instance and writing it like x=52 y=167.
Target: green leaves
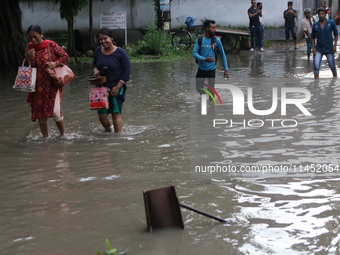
x=70 y=9
x=108 y=244
x=110 y=250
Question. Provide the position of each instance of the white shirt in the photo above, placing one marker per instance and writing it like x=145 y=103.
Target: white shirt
x=261 y=19
x=307 y=25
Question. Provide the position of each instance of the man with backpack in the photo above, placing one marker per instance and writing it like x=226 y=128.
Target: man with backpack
x=205 y=51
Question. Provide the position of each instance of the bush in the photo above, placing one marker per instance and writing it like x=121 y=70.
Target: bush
x=155 y=42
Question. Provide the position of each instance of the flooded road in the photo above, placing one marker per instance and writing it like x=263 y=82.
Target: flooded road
x=65 y=196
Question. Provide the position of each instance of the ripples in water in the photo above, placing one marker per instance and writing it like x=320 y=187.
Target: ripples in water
x=289 y=213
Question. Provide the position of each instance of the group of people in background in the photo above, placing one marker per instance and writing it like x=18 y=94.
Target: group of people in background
x=321 y=34
x=320 y=31
x=307 y=23
x=321 y=38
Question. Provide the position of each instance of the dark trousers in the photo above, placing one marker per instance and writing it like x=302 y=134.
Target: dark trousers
x=255 y=34
x=201 y=76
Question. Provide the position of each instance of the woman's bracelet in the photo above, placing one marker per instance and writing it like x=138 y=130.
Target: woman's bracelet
x=122 y=81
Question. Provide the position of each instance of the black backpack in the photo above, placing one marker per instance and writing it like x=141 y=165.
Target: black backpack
x=213 y=45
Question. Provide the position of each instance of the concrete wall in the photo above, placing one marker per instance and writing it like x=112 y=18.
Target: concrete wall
x=42 y=13
x=228 y=13
x=140 y=13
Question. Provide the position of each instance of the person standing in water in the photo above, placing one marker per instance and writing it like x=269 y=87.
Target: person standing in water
x=117 y=64
x=323 y=31
x=46 y=100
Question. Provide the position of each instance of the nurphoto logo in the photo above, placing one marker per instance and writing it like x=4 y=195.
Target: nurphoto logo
x=289 y=96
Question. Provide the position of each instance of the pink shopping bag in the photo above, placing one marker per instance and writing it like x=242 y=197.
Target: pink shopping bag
x=99 y=98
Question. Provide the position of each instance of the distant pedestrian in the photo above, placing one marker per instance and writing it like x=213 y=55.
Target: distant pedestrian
x=290 y=15
x=323 y=31
x=314 y=16
x=260 y=7
x=337 y=20
x=307 y=24
x=328 y=10
x=254 y=26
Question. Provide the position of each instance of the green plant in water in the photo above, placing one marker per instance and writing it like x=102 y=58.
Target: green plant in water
x=110 y=250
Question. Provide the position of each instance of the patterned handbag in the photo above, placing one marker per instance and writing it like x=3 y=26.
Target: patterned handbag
x=26 y=78
x=99 y=98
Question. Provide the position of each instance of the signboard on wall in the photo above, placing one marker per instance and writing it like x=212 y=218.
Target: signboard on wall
x=114 y=20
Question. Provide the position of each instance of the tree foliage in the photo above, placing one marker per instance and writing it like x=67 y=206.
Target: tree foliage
x=69 y=9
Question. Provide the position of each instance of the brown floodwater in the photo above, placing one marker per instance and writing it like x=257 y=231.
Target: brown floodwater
x=63 y=196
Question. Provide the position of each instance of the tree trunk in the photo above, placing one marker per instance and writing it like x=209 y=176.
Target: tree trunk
x=91 y=36
x=70 y=42
x=12 y=38
x=159 y=18
x=71 y=50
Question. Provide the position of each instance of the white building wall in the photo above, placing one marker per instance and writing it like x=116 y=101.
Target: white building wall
x=42 y=13
x=229 y=13
x=140 y=13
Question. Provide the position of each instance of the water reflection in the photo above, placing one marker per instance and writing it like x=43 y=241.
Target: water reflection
x=257 y=65
x=65 y=196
